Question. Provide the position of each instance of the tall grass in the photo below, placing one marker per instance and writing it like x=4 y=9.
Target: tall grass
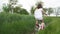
x=24 y=24
x=16 y=24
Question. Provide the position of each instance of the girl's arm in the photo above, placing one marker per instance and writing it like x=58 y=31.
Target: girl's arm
x=44 y=12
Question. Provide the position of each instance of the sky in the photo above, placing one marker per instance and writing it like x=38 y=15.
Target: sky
x=28 y=3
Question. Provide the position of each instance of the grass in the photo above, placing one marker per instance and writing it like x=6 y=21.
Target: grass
x=53 y=27
x=16 y=24
x=24 y=24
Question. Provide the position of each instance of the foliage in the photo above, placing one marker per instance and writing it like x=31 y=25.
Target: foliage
x=5 y=8
x=32 y=9
x=24 y=11
x=50 y=10
x=57 y=11
x=17 y=10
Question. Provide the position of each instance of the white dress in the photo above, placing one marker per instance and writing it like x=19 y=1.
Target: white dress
x=38 y=14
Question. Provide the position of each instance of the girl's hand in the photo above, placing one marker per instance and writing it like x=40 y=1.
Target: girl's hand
x=46 y=15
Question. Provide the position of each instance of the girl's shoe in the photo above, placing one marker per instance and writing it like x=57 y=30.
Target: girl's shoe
x=36 y=27
x=42 y=26
x=39 y=27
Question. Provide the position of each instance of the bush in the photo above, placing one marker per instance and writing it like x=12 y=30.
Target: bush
x=24 y=11
x=20 y=11
x=16 y=24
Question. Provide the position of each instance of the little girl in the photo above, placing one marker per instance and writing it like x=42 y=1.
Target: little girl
x=38 y=14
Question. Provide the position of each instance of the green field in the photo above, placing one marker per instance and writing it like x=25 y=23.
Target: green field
x=53 y=26
x=24 y=24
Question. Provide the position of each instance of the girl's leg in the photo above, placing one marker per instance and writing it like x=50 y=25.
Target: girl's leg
x=42 y=24
x=37 y=25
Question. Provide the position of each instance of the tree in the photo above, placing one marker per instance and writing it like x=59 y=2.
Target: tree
x=50 y=10
x=20 y=10
x=57 y=11
x=5 y=8
x=12 y=8
x=23 y=12
x=32 y=9
x=17 y=10
x=12 y=3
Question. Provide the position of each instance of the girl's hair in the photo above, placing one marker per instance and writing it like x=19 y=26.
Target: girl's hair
x=39 y=6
